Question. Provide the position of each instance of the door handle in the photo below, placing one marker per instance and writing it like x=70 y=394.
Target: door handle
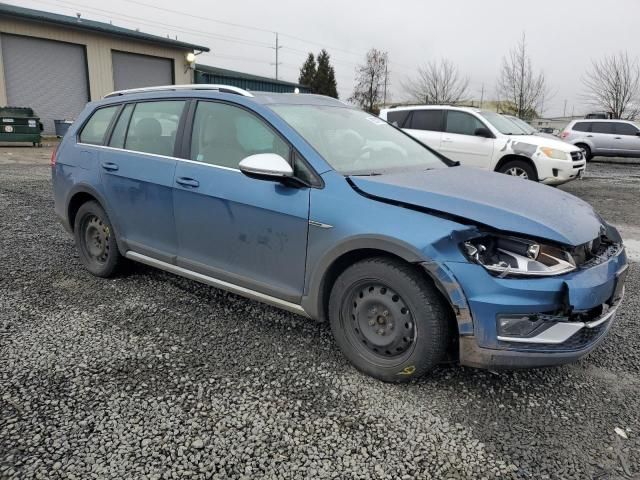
x=447 y=140
x=589 y=136
x=616 y=138
x=188 y=182
x=110 y=167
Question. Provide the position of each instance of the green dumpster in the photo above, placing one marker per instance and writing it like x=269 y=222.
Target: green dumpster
x=20 y=124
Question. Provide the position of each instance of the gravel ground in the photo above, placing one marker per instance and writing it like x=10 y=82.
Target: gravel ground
x=152 y=376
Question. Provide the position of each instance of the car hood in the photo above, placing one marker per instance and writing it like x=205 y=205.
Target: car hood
x=542 y=141
x=492 y=199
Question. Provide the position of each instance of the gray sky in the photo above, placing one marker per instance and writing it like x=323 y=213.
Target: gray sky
x=562 y=36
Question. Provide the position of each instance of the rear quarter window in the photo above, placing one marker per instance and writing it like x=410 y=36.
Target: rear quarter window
x=398 y=118
x=96 y=127
x=581 y=127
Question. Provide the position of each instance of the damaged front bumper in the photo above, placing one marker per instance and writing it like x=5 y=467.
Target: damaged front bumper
x=574 y=312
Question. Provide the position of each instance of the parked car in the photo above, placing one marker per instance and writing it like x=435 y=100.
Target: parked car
x=529 y=130
x=305 y=203
x=488 y=140
x=608 y=138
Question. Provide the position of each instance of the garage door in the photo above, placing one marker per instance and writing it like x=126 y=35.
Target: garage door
x=50 y=77
x=131 y=70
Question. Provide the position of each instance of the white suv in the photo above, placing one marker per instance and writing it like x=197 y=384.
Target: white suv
x=488 y=140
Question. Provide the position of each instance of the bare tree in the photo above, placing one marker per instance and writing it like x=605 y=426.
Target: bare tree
x=518 y=86
x=371 y=81
x=613 y=84
x=438 y=82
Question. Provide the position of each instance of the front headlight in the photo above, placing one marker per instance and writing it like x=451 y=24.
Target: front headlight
x=554 y=153
x=509 y=256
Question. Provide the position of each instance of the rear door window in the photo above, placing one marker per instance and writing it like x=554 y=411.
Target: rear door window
x=625 y=129
x=120 y=130
x=153 y=127
x=96 y=128
x=462 y=123
x=430 y=120
x=582 y=127
x=398 y=118
x=602 y=127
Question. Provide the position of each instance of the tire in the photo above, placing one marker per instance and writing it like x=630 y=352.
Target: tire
x=95 y=240
x=586 y=150
x=388 y=320
x=519 y=168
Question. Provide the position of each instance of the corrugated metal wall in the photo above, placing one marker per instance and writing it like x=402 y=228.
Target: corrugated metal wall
x=131 y=70
x=98 y=50
x=247 y=84
x=48 y=76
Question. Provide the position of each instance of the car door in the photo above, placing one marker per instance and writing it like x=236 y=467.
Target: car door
x=426 y=126
x=137 y=176
x=460 y=143
x=249 y=232
x=626 y=140
x=602 y=135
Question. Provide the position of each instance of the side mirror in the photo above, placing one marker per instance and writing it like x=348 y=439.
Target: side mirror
x=638 y=133
x=483 y=132
x=266 y=166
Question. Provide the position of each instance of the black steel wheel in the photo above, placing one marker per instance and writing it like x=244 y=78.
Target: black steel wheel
x=388 y=319
x=96 y=241
x=378 y=322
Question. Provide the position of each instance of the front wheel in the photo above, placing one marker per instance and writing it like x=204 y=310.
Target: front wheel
x=389 y=320
x=520 y=169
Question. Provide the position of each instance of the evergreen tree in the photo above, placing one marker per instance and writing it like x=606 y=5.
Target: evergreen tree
x=308 y=72
x=325 y=79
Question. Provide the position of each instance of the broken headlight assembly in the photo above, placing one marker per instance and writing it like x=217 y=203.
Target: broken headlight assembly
x=517 y=257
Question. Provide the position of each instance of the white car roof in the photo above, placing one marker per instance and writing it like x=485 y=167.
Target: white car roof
x=430 y=107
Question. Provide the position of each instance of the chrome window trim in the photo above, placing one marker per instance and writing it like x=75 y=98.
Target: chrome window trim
x=159 y=156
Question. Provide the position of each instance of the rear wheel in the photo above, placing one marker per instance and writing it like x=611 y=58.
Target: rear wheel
x=388 y=320
x=95 y=240
x=520 y=169
x=586 y=151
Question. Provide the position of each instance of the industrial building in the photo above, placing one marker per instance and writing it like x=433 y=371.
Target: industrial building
x=256 y=83
x=56 y=63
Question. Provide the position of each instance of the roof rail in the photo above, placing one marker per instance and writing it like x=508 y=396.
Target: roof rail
x=195 y=86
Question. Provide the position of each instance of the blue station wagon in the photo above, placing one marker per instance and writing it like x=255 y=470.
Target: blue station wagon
x=308 y=204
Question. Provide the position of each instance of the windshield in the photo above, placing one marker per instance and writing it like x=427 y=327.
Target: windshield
x=523 y=125
x=356 y=143
x=502 y=124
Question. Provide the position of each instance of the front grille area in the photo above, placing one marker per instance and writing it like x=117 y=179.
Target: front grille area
x=597 y=251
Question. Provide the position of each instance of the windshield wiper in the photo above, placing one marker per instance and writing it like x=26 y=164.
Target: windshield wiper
x=369 y=174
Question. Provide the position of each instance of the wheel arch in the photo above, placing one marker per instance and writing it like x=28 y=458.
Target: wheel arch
x=316 y=301
x=512 y=156
x=85 y=193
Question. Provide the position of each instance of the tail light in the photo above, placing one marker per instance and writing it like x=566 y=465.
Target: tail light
x=53 y=156
x=564 y=134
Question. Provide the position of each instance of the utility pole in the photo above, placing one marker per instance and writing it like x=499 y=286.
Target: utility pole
x=277 y=48
x=482 y=96
x=564 y=110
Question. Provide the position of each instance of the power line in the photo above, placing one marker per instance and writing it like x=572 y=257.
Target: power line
x=131 y=18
